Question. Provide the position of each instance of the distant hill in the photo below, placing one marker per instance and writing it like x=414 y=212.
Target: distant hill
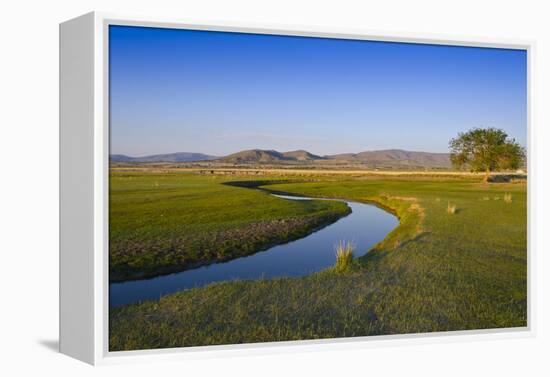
x=121 y=158
x=302 y=155
x=396 y=157
x=255 y=156
x=170 y=157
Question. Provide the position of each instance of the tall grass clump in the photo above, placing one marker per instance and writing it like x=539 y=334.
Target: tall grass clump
x=451 y=208
x=508 y=198
x=344 y=256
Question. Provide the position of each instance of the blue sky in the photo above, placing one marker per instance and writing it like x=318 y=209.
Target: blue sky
x=218 y=93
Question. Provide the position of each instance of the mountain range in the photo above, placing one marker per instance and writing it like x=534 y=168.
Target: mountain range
x=170 y=157
x=380 y=158
x=397 y=157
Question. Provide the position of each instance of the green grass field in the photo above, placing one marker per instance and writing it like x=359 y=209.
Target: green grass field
x=437 y=271
x=161 y=223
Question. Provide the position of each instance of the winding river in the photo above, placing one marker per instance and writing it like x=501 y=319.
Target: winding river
x=365 y=226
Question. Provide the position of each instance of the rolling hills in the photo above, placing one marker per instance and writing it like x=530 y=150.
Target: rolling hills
x=400 y=157
x=389 y=158
x=256 y=156
x=382 y=158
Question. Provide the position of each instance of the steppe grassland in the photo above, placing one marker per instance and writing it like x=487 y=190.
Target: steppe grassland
x=435 y=272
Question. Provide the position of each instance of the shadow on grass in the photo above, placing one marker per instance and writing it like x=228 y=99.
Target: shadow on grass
x=376 y=254
x=416 y=238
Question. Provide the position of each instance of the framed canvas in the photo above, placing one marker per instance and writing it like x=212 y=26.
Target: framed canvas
x=252 y=188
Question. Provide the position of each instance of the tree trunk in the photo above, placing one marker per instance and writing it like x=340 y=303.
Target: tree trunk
x=487 y=174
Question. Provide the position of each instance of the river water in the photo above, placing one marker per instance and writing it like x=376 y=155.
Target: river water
x=365 y=226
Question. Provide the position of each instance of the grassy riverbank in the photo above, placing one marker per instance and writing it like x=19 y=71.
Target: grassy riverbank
x=167 y=222
x=437 y=271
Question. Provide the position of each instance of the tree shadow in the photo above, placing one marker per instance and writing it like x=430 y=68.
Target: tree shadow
x=51 y=344
x=416 y=238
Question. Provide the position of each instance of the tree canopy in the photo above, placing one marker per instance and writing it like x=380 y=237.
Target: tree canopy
x=486 y=149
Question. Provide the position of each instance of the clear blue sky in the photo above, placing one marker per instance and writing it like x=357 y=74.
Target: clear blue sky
x=218 y=93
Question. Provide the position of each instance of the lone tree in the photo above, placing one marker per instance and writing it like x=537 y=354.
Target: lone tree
x=486 y=149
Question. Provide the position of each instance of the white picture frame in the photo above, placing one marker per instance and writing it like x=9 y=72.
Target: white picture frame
x=84 y=161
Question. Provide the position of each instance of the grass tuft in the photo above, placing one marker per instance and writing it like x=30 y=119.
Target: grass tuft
x=451 y=208
x=508 y=198
x=344 y=256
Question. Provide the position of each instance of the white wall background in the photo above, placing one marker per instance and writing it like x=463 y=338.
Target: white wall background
x=29 y=188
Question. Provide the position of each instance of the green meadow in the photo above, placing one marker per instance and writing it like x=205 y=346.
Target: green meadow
x=457 y=260
x=161 y=223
